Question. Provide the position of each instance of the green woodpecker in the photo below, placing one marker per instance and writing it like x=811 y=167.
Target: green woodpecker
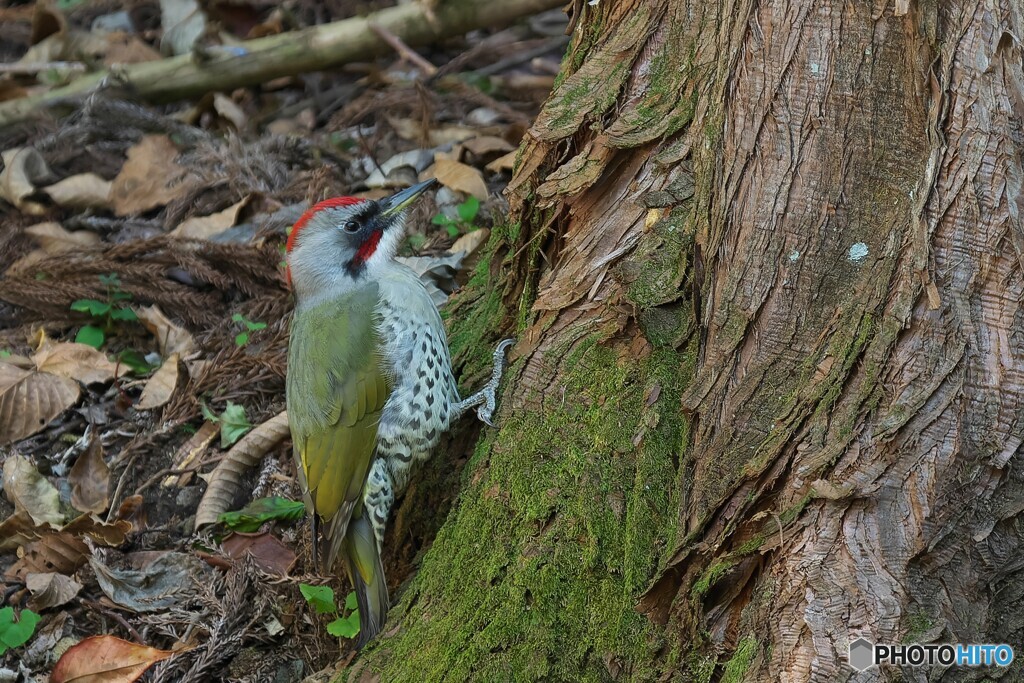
x=370 y=386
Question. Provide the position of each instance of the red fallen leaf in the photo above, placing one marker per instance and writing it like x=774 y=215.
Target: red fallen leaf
x=268 y=553
x=106 y=659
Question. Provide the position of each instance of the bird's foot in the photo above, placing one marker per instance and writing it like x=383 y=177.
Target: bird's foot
x=486 y=399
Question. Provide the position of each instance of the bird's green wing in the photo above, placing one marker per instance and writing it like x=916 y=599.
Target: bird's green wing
x=336 y=389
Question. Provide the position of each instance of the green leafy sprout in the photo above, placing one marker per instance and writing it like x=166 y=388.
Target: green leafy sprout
x=255 y=514
x=321 y=599
x=242 y=338
x=105 y=314
x=233 y=422
x=467 y=212
x=16 y=632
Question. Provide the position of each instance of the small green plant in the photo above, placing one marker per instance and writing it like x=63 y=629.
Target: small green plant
x=16 y=632
x=467 y=212
x=242 y=338
x=321 y=599
x=105 y=314
x=233 y=422
x=252 y=516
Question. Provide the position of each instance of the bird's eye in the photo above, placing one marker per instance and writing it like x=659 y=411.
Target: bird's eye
x=350 y=226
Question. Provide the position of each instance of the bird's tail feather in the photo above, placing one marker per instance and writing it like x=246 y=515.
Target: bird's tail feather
x=367 y=574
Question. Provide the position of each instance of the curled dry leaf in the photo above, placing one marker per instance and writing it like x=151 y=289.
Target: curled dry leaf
x=54 y=239
x=150 y=177
x=89 y=479
x=470 y=242
x=183 y=22
x=24 y=170
x=99 y=532
x=460 y=177
x=160 y=387
x=54 y=551
x=205 y=227
x=106 y=659
x=168 y=581
x=171 y=338
x=79 y=362
x=503 y=163
x=30 y=399
x=229 y=109
x=50 y=589
x=225 y=482
x=189 y=453
x=31 y=493
x=487 y=144
x=82 y=191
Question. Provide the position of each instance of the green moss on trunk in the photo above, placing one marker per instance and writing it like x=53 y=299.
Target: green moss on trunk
x=559 y=530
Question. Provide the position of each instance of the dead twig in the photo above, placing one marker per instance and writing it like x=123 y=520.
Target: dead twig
x=404 y=50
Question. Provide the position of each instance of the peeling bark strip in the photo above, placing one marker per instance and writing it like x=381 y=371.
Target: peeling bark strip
x=765 y=264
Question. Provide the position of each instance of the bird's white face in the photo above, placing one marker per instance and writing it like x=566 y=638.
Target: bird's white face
x=341 y=241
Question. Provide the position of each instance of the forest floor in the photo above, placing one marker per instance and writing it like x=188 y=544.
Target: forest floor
x=144 y=320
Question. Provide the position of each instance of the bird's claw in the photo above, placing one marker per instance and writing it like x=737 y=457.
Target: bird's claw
x=485 y=411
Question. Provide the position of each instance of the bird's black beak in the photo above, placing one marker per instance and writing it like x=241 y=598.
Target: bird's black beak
x=389 y=206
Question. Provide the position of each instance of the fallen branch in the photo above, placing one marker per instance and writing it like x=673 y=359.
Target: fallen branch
x=256 y=61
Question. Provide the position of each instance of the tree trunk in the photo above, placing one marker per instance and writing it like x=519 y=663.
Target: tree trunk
x=764 y=266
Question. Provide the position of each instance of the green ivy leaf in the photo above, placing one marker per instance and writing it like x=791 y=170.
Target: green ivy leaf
x=241 y=339
x=111 y=280
x=320 y=598
x=252 y=516
x=468 y=209
x=416 y=241
x=136 y=361
x=350 y=600
x=254 y=325
x=233 y=424
x=91 y=306
x=453 y=230
x=441 y=219
x=345 y=627
x=123 y=313
x=91 y=335
x=16 y=633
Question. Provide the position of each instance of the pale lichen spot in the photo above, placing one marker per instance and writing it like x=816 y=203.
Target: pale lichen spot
x=858 y=252
x=794 y=256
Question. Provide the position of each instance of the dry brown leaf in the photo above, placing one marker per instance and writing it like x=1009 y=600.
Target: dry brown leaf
x=24 y=170
x=225 y=482
x=50 y=589
x=16 y=531
x=189 y=453
x=459 y=177
x=105 y=659
x=150 y=177
x=171 y=338
x=128 y=49
x=205 y=227
x=160 y=387
x=55 y=551
x=170 y=580
x=503 y=163
x=101 y=533
x=54 y=239
x=31 y=493
x=470 y=242
x=29 y=399
x=268 y=552
x=487 y=144
x=79 y=362
x=89 y=479
x=82 y=191
x=229 y=109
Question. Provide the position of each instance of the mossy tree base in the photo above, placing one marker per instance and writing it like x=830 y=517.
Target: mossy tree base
x=767 y=392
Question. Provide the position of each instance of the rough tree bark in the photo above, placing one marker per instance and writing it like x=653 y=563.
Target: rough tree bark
x=764 y=262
